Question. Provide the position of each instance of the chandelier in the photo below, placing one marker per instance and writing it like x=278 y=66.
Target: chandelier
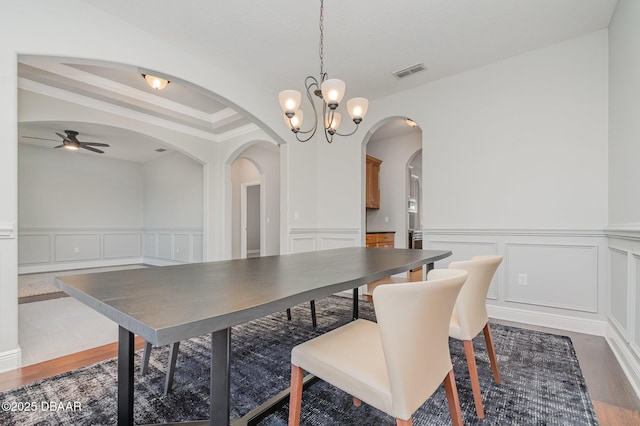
x=330 y=91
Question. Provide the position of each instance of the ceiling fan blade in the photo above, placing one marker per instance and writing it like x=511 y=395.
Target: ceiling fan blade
x=64 y=138
x=94 y=144
x=59 y=146
x=91 y=149
x=44 y=139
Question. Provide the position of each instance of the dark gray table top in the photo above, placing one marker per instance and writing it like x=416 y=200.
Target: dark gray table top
x=172 y=303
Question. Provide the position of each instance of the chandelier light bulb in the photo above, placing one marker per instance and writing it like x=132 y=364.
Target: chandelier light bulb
x=295 y=122
x=333 y=122
x=357 y=108
x=332 y=92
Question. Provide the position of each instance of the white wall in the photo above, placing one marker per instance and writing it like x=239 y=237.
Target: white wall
x=515 y=163
x=395 y=154
x=624 y=175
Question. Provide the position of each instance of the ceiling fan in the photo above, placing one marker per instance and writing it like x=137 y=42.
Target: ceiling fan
x=71 y=142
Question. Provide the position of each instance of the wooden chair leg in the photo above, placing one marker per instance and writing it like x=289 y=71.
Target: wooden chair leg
x=492 y=353
x=295 y=395
x=313 y=313
x=403 y=422
x=145 y=359
x=357 y=402
x=452 y=398
x=171 y=367
x=473 y=376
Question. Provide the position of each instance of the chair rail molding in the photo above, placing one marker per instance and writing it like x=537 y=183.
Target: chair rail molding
x=625 y=232
x=7 y=231
x=550 y=232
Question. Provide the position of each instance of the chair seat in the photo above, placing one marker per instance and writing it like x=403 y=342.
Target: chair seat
x=362 y=372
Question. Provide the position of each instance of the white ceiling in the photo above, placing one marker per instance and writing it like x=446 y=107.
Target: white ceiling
x=275 y=43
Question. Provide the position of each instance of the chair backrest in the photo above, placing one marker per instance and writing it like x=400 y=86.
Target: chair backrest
x=471 y=306
x=413 y=319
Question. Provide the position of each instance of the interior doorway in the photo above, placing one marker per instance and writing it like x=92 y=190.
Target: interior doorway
x=250 y=213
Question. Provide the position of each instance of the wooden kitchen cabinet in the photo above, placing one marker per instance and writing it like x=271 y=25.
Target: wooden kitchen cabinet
x=373 y=182
x=380 y=239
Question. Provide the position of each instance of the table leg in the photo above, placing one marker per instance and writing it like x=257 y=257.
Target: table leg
x=429 y=267
x=125 y=377
x=220 y=377
x=355 y=304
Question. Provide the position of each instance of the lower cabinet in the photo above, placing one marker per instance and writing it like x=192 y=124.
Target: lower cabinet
x=381 y=239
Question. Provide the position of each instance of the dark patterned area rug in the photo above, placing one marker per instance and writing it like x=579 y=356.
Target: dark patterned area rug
x=542 y=381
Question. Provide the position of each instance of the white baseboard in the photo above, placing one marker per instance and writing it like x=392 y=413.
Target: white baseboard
x=53 y=267
x=160 y=262
x=10 y=360
x=625 y=357
x=543 y=319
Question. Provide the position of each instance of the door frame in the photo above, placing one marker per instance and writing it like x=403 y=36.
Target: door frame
x=243 y=217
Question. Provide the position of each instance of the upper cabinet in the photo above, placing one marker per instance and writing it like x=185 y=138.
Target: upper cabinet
x=373 y=182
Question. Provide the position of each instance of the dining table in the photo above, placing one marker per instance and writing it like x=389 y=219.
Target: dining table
x=168 y=304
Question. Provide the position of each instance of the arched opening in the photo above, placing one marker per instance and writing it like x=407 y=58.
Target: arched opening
x=254 y=168
x=394 y=143
x=114 y=208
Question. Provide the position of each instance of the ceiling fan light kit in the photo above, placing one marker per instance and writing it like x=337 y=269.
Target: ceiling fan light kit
x=331 y=91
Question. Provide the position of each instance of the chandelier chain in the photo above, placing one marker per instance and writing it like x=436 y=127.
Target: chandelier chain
x=321 y=40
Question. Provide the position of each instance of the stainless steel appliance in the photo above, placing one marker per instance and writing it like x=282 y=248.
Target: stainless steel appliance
x=415 y=242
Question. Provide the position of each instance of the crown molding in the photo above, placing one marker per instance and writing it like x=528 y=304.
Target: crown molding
x=65 y=95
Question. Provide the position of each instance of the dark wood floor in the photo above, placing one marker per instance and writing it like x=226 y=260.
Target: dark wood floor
x=613 y=397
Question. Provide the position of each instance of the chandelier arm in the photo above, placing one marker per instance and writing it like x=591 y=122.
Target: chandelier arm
x=348 y=134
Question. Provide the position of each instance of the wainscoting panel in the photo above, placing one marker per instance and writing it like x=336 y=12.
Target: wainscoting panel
x=197 y=247
x=556 y=275
x=169 y=246
x=44 y=250
x=74 y=247
x=623 y=327
x=150 y=244
x=181 y=245
x=464 y=250
x=122 y=245
x=328 y=243
x=311 y=239
x=619 y=290
x=34 y=249
x=550 y=277
x=301 y=244
x=165 y=243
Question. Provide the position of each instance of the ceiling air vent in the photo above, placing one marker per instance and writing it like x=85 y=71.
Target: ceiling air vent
x=409 y=71
x=160 y=150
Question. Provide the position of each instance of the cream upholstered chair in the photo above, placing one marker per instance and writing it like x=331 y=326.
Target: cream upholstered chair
x=470 y=317
x=396 y=364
